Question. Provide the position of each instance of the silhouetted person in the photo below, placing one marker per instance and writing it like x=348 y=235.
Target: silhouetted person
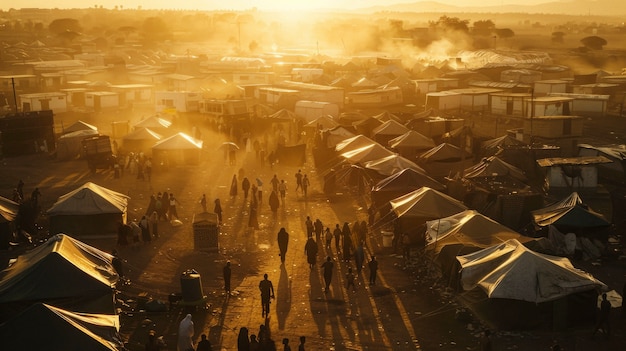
x=302 y=341
x=310 y=249
x=283 y=242
x=227 y=274
x=274 y=202
x=233 y=186
x=153 y=343
x=350 y=280
x=245 y=186
x=327 y=267
x=218 y=210
x=373 y=266
x=243 y=343
x=204 y=344
x=604 y=321
x=337 y=235
x=254 y=343
x=267 y=293
x=203 y=202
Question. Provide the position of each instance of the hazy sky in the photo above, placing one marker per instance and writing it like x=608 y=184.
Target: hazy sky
x=246 y=4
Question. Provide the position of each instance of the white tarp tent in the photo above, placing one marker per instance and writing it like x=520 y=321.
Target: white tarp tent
x=511 y=271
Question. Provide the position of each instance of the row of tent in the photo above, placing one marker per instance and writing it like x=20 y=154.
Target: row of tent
x=60 y=296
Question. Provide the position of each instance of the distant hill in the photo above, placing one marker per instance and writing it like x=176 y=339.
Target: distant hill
x=574 y=7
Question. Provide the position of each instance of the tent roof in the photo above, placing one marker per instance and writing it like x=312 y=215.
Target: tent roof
x=178 y=141
x=153 y=122
x=366 y=153
x=142 y=134
x=62 y=267
x=501 y=142
x=283 y=114
x=509 y=270
x=326 y=122
x=58 y=329
x=79 y=134
x=569 y=212
x=387 y=116
x=89 y=199
x=8 y=210
x=443 y=152
x=469 y=228
x=79 y=125
x=390 y=127
x=427 y=203
x=392 y=164
x=412 y=139
x=408 y=179
x=365 y=83
x=494 y=167
x=354 y=143
x=369 y=122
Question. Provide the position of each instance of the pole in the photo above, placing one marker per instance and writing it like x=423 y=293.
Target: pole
x=14 y=95
x=532 y=114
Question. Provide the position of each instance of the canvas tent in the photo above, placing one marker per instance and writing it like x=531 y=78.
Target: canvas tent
x=88 y=210
x=353 y=143
x=336 y=135
x=45 y=327
x=141 y=139
x=401 y=183
x=70 y=146
x=62 y=271
x=414 y=209
x=509 y=270
x=444 y=160
x=178 y=149
x=366 y=126
x=154 y=123
x=371 y=152
x=569 y=214
x=392 y=164
x=388 y=130
x=78 y=126
x=411 y=144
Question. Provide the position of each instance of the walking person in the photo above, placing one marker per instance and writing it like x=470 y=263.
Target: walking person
x=185 y=333
x=274 y=202
x=153 y=224
x=305 y=184
x=328 y=236
x=283 y=242
x=259 y=184
x=227 y=272
x=359 y=257
x=282 y=189
x=310 y=250
x=145 y=229
x=203 y=202
x=204 y=344
x=233 y=186
x=245 y=186
x=309 y=227
x=218 y=210
x=327 y=268
x=318 y=227
x=286 y=346
x=243 y=343
x=604 y=319
x=253 y=221
x=302 y=341
x=298 y=180
x=373 y=266
x=275 y=183
x=350 y=280
x=267 y=292
x=172 y=210
x=337 y=235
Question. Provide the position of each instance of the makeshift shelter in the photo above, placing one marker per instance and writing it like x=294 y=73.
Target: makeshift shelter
x=88 y=210
x=336 y=135
x=388 y=116
x=366 y=126
x=388 y=130
x=70 y=146
x=530 y=287
x=353 y=143
x=494 y=146
x=64 y=272
x=344 y=178
x=8 y=214
x=444 y=160
x=570 y=212
x=45 y=327
x=322 y=122
x=178 y=149
x=411 y=144
x=392 y=164
x=154 y=123
x=414 y=209
x=78 y=126
x=366 y=153
x=140 y=140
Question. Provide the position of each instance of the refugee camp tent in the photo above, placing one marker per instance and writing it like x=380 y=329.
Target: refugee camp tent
x=392 y=164
x=70 y=146
x=444 y=160
x=64 y=272
x=401 y=183
x=344 y=178
x=526 y=289
x=8 y=214
x=78 y=126
x=510 y=270
x=387 y=116
x=494 y=167
x=388 y=130
x=154 y=123
x=411 y=144
x=414 y=209
x=88 y=210
x=353 y=143
x=178 y=149
x=569 y=214
x=336 y=135
x=367 y=126
x=371 y=152
x=493 y=146
x=45 y=327
x=322 y=122
x=140 y=140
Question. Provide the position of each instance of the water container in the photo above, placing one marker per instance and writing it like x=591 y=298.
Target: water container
x=191 y=286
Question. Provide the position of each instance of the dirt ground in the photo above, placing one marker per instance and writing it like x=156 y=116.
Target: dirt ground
x=408 y=310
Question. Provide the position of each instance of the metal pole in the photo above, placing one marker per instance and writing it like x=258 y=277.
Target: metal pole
x=14 y=95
